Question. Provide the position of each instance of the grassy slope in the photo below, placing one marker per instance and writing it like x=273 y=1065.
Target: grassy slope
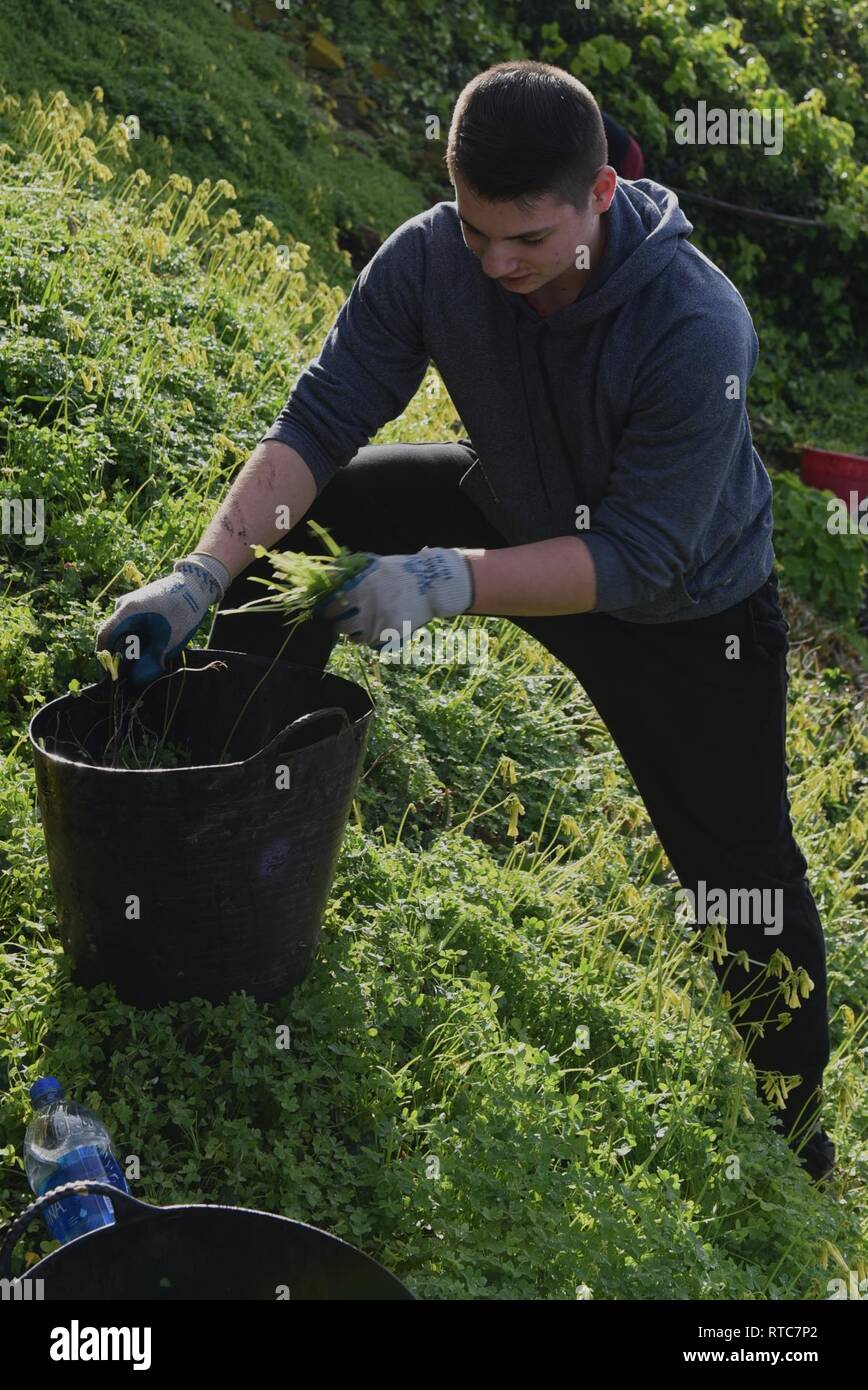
x=457 y=962
x=230 y=103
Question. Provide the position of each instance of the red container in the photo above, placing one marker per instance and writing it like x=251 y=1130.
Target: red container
x=840 y=473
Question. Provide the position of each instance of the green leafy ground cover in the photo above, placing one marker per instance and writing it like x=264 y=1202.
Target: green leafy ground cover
x=215 y=101
x=441 y=1104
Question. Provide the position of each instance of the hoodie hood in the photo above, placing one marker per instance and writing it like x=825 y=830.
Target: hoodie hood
x=645 y=228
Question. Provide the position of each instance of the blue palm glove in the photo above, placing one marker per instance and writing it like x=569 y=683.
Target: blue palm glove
x=398 y=589
x=163 y=615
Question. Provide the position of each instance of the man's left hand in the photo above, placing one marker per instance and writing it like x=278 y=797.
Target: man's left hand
x=398 y=589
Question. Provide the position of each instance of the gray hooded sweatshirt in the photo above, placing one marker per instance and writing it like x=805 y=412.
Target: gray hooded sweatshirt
x=630 y=402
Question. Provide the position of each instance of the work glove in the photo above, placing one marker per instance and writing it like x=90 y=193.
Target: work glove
x=164 y=615
x=397 y=589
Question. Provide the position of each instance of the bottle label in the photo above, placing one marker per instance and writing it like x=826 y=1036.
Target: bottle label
x=75 y=1215
x=113 y=1170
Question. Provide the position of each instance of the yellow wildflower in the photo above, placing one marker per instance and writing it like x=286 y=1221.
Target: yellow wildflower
x=778 y=963
x=507 y=771
x=111 y=663
x=714 y=942
x=773 y=1088
x=266 y=227
x=156 y=242
x=132 y=573
x=515 y=809
x=162 y=215
x=119 y=138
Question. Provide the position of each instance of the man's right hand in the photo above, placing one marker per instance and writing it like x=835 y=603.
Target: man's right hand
x=163 y=615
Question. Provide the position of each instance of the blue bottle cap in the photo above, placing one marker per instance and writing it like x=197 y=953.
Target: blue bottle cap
x=44 y=1086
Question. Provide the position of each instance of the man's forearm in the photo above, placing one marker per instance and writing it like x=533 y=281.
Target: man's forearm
x=271 y=494
x=545 y=578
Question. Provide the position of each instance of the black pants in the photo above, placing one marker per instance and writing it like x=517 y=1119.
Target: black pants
x=702 y=735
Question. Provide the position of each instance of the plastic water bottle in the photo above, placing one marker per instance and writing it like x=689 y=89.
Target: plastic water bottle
x=65 y=1142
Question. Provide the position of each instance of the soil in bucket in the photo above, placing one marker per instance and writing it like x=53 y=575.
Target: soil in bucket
x=210 y=874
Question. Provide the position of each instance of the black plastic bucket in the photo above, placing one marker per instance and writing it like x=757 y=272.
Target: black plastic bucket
x=228 y=864
x=196 y=1252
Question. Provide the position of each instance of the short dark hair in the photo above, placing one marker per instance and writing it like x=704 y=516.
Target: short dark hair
x=521 y=130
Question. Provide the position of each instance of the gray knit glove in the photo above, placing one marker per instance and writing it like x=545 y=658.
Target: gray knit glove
x=398 y=589
x=164 y=616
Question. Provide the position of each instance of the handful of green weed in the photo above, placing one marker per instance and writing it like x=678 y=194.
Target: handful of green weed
x=299 y=581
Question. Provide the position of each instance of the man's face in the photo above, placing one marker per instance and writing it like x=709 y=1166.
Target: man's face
x=525 y=251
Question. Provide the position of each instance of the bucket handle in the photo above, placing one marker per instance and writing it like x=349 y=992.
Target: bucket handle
x=130 y=1209
x=303 y=724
